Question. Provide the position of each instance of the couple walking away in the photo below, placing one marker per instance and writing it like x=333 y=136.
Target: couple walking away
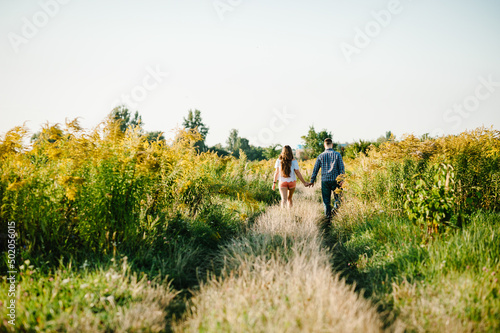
x=287 y=171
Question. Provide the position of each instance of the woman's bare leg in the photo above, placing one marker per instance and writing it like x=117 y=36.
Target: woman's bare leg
x=284 y=196
x=289 y=199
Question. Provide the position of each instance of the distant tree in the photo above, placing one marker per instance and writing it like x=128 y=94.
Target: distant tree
x=232 y=141
x=355 y=148
x=194 y=121
x=124 y=118
x=272 y=151
x=243 y=144
x=154 y=136
x=425 y=137
x=384 y=138
x=313 y=142
x=254 y=153
x=219 y=150
x=235 y=143
x=380 y=140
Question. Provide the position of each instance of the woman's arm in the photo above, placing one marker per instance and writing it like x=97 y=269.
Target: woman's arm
x=276 y=174
x=299 y=175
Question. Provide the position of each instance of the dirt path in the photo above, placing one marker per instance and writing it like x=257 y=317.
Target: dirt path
x=278 y=278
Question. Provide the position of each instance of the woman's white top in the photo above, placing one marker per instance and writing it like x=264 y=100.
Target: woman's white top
x=293 y=167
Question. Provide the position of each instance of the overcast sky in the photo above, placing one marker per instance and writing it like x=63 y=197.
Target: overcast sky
x=268 y=68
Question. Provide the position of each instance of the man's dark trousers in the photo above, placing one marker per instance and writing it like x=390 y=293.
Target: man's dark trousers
x=327 y=187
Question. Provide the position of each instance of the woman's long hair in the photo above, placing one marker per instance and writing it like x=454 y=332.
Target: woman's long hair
x=286 y=158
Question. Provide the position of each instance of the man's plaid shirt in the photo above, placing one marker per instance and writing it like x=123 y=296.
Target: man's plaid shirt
x=331 y=165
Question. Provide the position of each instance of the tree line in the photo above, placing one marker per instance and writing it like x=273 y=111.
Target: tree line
x=235 y=144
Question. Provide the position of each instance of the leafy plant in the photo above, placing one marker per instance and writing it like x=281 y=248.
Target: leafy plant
x=434 y=204
x=101 y=192
x=313 y=141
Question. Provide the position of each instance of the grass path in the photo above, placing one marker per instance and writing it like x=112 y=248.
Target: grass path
x=278 y=278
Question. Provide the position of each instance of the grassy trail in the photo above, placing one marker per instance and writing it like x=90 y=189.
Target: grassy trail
x=278 y=278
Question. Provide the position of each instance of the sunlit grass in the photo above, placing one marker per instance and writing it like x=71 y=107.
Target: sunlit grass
x=278 y=278
x=441 y=284
x=96 y=298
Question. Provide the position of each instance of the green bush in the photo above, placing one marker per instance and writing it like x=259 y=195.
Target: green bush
x=105 y=192
x=425 y=282
x=434 y=205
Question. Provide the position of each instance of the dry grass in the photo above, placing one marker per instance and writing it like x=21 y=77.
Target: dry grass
x=147 y=314
x=93 y=300
x=278 y=278
x=425 y=306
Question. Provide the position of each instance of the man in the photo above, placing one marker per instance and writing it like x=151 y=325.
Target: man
x=332 y=166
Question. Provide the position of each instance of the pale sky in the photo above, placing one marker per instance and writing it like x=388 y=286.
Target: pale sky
x=268 y=68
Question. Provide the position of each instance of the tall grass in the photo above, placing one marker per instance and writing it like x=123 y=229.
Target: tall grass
x=101 y=192
x=449 y=283
x=108 y=297
x=278 y=278
x=386 y=174
x=442 y=279
x=82 y=198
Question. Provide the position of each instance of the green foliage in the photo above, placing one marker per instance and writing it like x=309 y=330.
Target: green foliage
x=88 y=199
x=384 y=138
x=92 y=297
x=219 y=150
x=154 y=136
x=233 y=141
x=429 y=284
x=236 y=144
x=108 y=192
x=314 y=142
x=356 y=148
x=124 y=118
x=434 y=204
x=254 y=153
x=389 y=172
x=362 y=147
x=49 y=134
x=272 y=152
x=195 y=122
x=404 y=239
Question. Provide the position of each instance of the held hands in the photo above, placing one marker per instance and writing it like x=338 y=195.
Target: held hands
x=306 y=184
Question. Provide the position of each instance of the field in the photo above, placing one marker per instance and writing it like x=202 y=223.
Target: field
x=118 y=234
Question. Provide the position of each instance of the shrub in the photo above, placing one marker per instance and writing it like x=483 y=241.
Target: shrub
x=386 y=173
x=76 y=192
x=434 y=204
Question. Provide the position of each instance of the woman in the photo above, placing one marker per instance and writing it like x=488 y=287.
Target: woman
x=286 y=169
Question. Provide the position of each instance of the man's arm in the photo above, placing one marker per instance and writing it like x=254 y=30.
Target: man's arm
x=341 y=169
x=317 y=165
x=341 y=165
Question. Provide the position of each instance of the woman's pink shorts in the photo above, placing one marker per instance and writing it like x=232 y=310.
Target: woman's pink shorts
x=288 y=185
